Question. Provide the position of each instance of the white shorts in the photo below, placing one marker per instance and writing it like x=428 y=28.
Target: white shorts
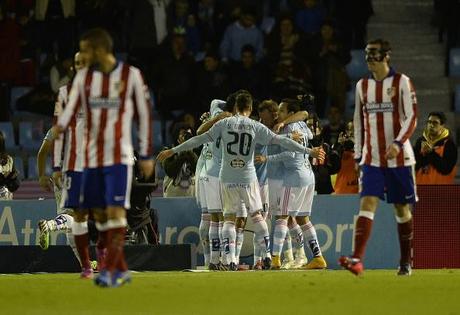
x=200 y=193
x=297 y=201
x=234 y=194
x=274 y=195
x=213 y=194
x=243 y=212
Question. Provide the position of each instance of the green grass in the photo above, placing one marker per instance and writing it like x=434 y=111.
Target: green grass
x=297 y=292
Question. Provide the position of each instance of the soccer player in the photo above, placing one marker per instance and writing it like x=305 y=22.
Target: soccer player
x=239 y=134
x=211 y=184
x=297 y=193
x=384 y=120
x=67 y=160
x=112 y=94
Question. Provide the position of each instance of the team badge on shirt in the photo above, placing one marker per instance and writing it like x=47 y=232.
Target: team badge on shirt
x=237 y=163
x=120 y=86
x=391 y=92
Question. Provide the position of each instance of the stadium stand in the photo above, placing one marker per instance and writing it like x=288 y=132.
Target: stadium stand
x=357 y=67
x=6 y=128
x=454 y=62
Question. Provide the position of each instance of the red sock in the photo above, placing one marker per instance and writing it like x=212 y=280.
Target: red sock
x=362 y=232
x=102 y=240
x=121 y=264
x=115 y=242
x=82 y=242
x=405 y=241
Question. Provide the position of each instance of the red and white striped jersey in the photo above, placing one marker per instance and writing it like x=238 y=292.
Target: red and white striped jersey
x=73 y=141
x=385 y=112
x=111 y=101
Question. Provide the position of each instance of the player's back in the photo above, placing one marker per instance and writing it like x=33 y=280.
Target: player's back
x=239 y=135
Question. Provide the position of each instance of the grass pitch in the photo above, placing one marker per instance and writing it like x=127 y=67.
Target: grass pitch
x=271 y=292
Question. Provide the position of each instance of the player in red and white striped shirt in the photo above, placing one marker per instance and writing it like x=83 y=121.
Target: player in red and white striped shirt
x=112 y=94
x=384 y=120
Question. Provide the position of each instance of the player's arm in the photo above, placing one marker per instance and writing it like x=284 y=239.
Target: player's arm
x=58 y=143
x=45 y=148
x=409 y=103
x=208 y=124
x=73 y=104
x=274 y=158
x=299 y=116
x=358 y=123
x=291 y=145
x=143 y=108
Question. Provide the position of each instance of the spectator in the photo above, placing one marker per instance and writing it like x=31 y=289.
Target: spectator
x=347 y=178
x=180 y=168
x=61 y=74
x=9 y=176
x=247 y=74
x=331 y=79
x=323 y=168
x=212 y=82
x=175 y=82
x=310 y=18
x=147 y=31
x=435 y=153
x=182 y=17
x=239 y=34
x=330 y=132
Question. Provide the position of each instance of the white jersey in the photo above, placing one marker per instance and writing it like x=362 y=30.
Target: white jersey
x=385 y=112
x=69 y=147
x=111 y=102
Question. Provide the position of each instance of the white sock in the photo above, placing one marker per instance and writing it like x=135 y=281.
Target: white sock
x=279 y=235
x=214 y=239
x=309 y=233
x=261 y=233
x=288 y=255
x=71 y=241
x=257 y=250
x=204 y=236
x=239 y=243
x=223 y=257
x=229 y=239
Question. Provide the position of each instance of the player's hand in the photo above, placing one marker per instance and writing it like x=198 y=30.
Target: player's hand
x=392 y=151
x=318 y=153
x=297 y=136
x=57 y=179
x=205 y=116
x=165 y=154
x=44 y=182
x=147 y=168
x=260 y=159
x=278 y=127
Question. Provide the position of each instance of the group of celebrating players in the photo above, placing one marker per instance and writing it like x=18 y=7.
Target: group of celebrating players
x=244 y=167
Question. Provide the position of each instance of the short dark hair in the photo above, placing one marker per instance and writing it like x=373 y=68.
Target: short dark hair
x=98 y=38
x=292 y=105
x=440 y=115
x=384 y=44
x=243 y=102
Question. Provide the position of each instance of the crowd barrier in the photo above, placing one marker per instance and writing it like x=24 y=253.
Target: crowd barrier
x=333 y=217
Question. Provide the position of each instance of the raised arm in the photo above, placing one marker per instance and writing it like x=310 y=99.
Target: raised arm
x=299 y=116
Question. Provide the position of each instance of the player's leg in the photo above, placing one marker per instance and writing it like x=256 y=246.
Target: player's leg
x=297 y=240
x=372 y=185
x=401 y=192
x=215 y=238
x=205 y=220
x=213 y=201
x=117 y=183
x=250 y=194
x=240 y=223
x=231 y=201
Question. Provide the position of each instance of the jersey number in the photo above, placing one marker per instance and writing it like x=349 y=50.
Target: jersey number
x=243 y=140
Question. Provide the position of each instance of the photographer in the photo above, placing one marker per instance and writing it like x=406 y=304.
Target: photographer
x=142 y=221
x=347 y=177
x=9 y=177
x=180 y=168
x=322 y=168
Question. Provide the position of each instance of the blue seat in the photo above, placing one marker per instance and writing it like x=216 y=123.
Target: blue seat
x=457 y=99
x=30 y=135
x=157 y=137
x=32 y=170
x=16 y=93
x=357 y=67
x=454 y=62
x=6 y=128
x=19 y=166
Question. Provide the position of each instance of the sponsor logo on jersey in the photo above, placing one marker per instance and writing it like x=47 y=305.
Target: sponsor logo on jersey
x=379 y=107
x=102 y=102
x=237 y=163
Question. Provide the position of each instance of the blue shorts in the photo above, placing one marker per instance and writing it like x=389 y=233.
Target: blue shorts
x=71 y=190
x=106 y=186
x=397 y=182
